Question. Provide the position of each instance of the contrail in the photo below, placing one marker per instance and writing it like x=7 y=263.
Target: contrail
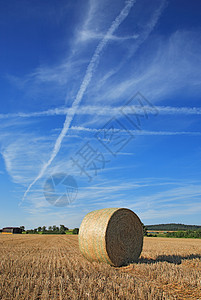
x=106 y=111
x=142 y=37
x=136 y=132
x=87 y=78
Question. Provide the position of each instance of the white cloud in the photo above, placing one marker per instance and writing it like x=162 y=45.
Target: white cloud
x=135 y=132
x=24 y=155
x=158 y=76
x=87 y=78
x=108 y=111
x=160 y=73
x=170 y=214
x=184 y=194
x=90 y=35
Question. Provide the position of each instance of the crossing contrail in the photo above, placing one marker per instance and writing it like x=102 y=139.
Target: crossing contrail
x=135 y=132
x=87 y=78
x=106 y=111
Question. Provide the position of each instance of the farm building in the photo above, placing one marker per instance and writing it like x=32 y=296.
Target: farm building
x=11 y=230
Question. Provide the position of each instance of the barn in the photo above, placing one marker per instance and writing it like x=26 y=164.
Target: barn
x=11 y=230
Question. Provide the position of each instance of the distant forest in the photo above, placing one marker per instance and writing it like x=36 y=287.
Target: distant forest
x=172 y=227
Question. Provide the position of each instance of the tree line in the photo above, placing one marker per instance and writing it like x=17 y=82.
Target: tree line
x=62 y=229
x=173 y=227
x=185 y=234
x=175 y=234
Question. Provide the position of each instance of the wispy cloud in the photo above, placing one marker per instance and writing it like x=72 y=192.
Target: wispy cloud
x=56 y=105
x=87 y=78
x=170 y=214
x=39 y=82
x=160 y=75
x=22 y=165
x=135 y=132
x=181 y=193
x=108 y=111
x=146 y=28
x=90 y=35
x=171 y=202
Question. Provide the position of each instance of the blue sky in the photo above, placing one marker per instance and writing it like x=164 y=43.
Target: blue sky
x=68 y=71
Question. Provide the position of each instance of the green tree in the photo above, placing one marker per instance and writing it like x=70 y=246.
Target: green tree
x=50 y=228
x=23 y=228
x=44 y=229
x=54 y=228
x=198 y=233
x=75 y=230
x=63 y=228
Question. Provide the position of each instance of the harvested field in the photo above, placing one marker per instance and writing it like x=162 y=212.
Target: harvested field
x=51 y=267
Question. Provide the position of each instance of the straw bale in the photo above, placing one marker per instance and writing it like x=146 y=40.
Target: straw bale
x=111 y=235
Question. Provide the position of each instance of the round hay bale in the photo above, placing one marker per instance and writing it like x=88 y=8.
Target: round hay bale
x=111 y=235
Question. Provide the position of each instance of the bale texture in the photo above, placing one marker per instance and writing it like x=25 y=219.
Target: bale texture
x=111 y=235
